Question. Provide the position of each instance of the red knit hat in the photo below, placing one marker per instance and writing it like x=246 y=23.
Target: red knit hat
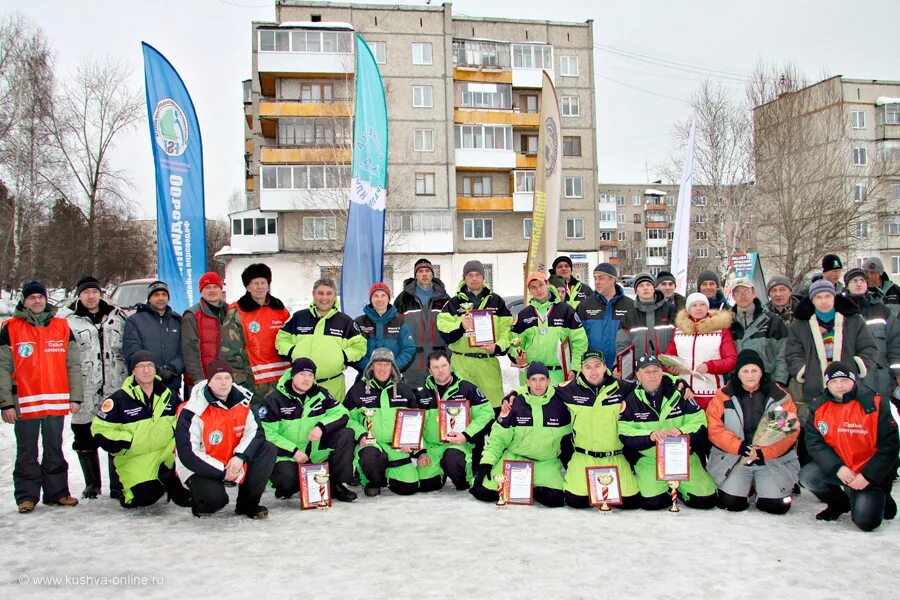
x=379 y=286
x=211 y=278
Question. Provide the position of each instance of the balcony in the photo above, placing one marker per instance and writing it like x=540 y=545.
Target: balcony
x=655 y=207
x=657 y=261
x=529 y=63
x=485 y=159
x=663 y=243
x=301 y=51
x=248 y=184
x=292 y=200
x=481 y=76
x=657 y=225
x=484 y=203
x=604 y=244
x=321 y=155
x=497 y=117
x=523 y=201
x=273 y=109
x=526 y=161
x=254 y=231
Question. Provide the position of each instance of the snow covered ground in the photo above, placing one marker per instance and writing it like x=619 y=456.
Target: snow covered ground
x=439 y=545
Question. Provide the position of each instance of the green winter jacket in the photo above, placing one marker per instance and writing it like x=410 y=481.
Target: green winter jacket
x=595 y=412
x=480 y=412
x=534 y=428
x=332 y=340
x=138 y=432
x=559 y=323
x=449 y=321
x=384 y=399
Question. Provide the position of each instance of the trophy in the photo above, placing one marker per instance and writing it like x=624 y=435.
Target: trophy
x=369 y=413
x=322 y=479
x=452 y=413
x=465 y=308
x=604 y=479
x=516 y=343
x=500 y=479
x=673 y=487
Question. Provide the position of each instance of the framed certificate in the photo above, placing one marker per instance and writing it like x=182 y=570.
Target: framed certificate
x=408 y=426
x=625 y=362
x=519 y=482
x=315 y=491
x=673 y=458
x=482 y=333
x=603 y=486
x=453 y=416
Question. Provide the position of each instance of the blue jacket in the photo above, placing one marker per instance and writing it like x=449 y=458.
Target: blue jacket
x=387 y=331
x=602 y=319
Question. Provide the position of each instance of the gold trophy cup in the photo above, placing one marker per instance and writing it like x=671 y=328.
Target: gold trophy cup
x=500 y=479
x=369 y=413
x=452 y=413
x=516 y=343
x=322 y=479
x=604 y=479
x=673 y=489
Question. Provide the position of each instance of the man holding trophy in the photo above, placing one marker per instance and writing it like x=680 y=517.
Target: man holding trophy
x=307 y=425
x=457 y=416
x=475 y=325
x=654 y=411
x=595 y=398
x=550 y=332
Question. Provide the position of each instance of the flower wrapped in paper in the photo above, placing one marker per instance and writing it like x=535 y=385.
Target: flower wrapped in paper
x=775 y=425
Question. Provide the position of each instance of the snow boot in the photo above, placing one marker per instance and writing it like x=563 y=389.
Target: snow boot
x=890 y=508
x=90 y=467
x=372 y=490
x=176 y=492
x=257 y=512
x=831 y=513
x=342 y=494
x=116 y=492
x=26 y=506
x=64 y=501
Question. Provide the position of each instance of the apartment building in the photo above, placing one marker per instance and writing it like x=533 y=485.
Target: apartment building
x=463 y=100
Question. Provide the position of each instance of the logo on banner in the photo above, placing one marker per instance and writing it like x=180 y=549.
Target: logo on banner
x=369 y=170
x=551 y=147
x=170 y=127
x=25 y=350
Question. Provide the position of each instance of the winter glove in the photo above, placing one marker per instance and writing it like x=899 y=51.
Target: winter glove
x=480 y=472
x=167 y=374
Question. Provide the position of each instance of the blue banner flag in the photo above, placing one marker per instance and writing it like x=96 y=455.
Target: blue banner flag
x=364 y=244
x=178 y=158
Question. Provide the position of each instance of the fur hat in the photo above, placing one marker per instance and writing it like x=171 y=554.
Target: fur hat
x=256 y=270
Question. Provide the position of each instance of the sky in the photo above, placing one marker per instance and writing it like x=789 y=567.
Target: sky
x=650 y=56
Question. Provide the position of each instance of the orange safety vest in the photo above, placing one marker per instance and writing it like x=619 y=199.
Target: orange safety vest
x=223 y=429
x=851 y=433
x=260 y=328
x=39 y=367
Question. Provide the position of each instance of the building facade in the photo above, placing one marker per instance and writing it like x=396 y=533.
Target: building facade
x=463 y=100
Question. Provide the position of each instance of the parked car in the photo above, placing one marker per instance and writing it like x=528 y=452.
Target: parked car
x=129 y=294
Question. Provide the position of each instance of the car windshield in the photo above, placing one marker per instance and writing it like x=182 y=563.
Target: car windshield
x=130 y=294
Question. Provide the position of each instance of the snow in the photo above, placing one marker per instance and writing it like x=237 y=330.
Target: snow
x=652 y=192
x=882 y=100
x=434 y=545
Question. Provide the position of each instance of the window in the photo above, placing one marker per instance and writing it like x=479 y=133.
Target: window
x=638 y=254
x=236 y=227
x=892 y=114
x=605 y=236
x=622 y=236
x=379 y=49
x=478 y=229
x=568 y=66
x=306 y=40
x=532 y=56
x=895 y=265
x=637 y=217
x=530 y=103
x=489 y=275
x=658 y=252
x=656 y=234
x=485 y=95
x=862 y=230
x=701 y=218
x=575 y=229
x=702 y=252
x=271 y=227
x=858 y=118
x=635 y=200
x=314 y=132
x=526 y=228
x=424 y=184
x=274 y=41
x=893 y=227
x=424 y=140
x=572 y=145
x=608 y=216
x=636 y=236
x=895 y=191
x=524 y=181
x=254 y=226
x=483 y=137
x=306 y=177
x=860 y=159
x=423 y=96
x=529 y=144
x=620 y=200
x=573 y=187
x=859 y=192
x=471 y=53
x=421 y=53
x=427 y=220
x=621 y=218
x=570 y=106
x=890 y=151
x=700 y=201
x=477 y=186
x=319 y=228
x=655 y=271
x=719 y=202
x=670 y=200
x=308 y=92
x=702 y=235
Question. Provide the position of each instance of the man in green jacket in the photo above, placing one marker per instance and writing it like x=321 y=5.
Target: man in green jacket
x=533 y=424
x=326 y=334
x=577 y=291
x=595 y=398
x=307 y=425
x=373 y=402
x=550 y=332
x=654 y=409
x=451 y=458
x=476 y=364
x=136 y=426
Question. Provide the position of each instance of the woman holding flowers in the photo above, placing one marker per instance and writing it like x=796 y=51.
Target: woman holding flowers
x=753 y=429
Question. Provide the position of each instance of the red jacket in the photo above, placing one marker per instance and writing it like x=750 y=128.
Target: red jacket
x=708 y=342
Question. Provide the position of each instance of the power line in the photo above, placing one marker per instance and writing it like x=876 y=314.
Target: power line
x=681 y=65
x=652 y=93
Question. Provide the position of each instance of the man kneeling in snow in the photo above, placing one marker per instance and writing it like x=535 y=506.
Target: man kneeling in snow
x=218 y=442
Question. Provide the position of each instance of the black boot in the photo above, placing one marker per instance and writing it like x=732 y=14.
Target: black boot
x=115 y=486
x=176 y=492
x=890 y=507
x=342 y=494
x=831 y=513
x=90 y=466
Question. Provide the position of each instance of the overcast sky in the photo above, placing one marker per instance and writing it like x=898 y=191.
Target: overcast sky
x=638 y=98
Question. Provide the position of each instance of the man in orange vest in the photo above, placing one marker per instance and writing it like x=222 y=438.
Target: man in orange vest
x=249 y=330
x=40 y=383
x=201 y=330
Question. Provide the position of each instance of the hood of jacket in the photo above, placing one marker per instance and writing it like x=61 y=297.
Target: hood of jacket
x=648 y=307
x=805 y=309
x=38 y=320
x=716 y=321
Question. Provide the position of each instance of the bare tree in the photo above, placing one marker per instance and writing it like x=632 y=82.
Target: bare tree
x=218 y=234
x=90 y=112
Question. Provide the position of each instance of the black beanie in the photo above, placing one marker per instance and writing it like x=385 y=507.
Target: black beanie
x=139 y=357
x=33 y=287
x=707 y=276
x=302 y=365
x=749 y=357
x=256 y=270
x=87 y=283
x=561 y=259
x=665 y=276
x=537 y=368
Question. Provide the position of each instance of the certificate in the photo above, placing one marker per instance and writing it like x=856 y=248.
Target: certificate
x=673 y=458
x=453 y=416
x=625 y=362
x=315 y=491
x=482 y=333
x=519 y=481
x=408 y=425
x=603 y=486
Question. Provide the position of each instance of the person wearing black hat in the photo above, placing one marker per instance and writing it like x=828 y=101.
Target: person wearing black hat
x=307 y=425
x=577 y=291
x=136 y=425
x=99 y=329
x=665 y=283
x=831 y=271
x=654 y=409
x=737 y=465
x=885 y=330
x=249 y=331
x=708 y=285
x=40 y=383
x=157 y=328
x=852 y=439
x=534 y=424
x=420 y=301
x=650 y=323
x=219 y=442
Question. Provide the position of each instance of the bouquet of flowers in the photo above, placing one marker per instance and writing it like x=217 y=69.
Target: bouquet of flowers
x=775 y=425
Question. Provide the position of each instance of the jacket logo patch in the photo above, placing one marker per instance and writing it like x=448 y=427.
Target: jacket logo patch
x=304 y=330
x=107 y=405
x=338 y=332
x=215 y=437
x=262 y=412
x=254 y=327
x=25 y=350
x=822 y=427
x=523 y=420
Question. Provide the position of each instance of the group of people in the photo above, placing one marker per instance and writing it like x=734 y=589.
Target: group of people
x=264 y=391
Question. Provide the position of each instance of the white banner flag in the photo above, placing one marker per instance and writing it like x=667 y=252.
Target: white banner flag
x=681 y=241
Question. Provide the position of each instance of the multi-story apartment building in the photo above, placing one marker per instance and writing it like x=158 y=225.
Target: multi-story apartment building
x=463 y=100
x=828 y=147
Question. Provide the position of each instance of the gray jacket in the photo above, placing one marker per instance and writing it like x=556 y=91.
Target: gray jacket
x=767 y=335
x=649 y=326
x=422 y=324
x=884 y=326
x=805 y=350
